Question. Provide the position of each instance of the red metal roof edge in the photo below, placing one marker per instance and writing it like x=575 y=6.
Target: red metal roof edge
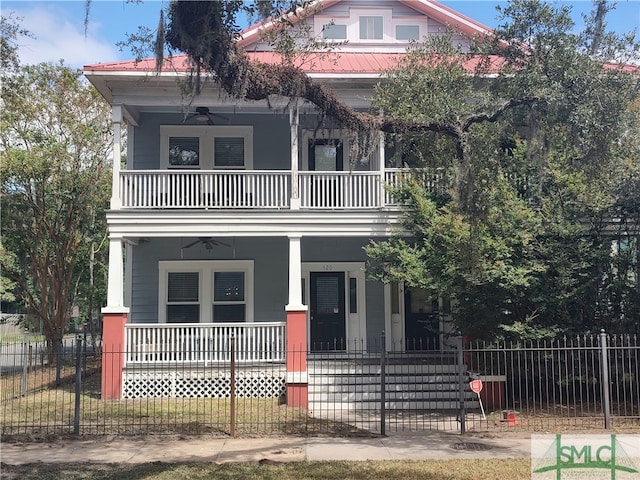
x=330 y=63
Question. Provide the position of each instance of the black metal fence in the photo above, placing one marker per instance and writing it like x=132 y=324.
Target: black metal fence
x=589 y=382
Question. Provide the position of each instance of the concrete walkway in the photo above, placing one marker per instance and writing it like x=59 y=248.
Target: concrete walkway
x=429 y=445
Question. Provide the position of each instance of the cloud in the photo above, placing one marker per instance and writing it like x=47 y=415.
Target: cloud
x=59 y=38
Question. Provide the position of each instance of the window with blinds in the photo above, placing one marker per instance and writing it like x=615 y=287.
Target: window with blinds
x=228 y=152
x=183 y=297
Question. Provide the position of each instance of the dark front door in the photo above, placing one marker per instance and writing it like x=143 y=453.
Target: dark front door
x=422 y=324
x=327 y=311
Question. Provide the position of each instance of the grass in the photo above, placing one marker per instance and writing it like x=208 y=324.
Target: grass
x=491 y=469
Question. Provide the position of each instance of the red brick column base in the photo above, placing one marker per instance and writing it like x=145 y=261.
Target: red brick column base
x=112 y=354
x=297 y=380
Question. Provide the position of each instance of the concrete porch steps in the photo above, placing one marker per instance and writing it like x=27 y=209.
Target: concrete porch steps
x=350 y=385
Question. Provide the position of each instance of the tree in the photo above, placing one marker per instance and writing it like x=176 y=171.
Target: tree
x=524 y=244
x=55 y=182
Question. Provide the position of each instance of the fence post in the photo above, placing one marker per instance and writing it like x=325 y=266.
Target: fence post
x=25 y=352
x=60 y=350
x=232 y=394
x=76 y=413
x=462 y=414
x=604 y=377
x=383 y=381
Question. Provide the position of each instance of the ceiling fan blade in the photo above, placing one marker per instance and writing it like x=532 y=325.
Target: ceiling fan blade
x=189 y=245
x=218 y=242
x=219 y=115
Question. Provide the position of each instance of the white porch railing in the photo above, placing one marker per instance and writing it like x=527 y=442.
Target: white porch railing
x=432 y=180
x=205 y=189
x=348 y=190
x=170 y=343
x=256 y=189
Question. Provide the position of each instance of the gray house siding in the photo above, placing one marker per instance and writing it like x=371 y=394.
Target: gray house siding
x=271 y=139
x=271 y=267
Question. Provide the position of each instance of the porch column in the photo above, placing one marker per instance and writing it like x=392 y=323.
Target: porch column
x=294 y=121
x=381 y=166
x=297 y=380
x=116 y=120
x=114 y=318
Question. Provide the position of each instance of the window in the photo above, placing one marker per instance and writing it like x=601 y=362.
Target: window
x=184 y=152
x=407 y=32
x=332 y=31
x=183 y=297
x=353 y=295
x=371 y=28
x=228 y=152
x=228 y=297
x=193 y=291
x=206 y=147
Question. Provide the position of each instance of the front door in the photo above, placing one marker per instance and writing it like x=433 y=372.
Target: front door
x=422 y=323
x=327 y=311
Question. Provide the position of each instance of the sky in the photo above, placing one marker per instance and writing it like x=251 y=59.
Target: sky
x=58 y=25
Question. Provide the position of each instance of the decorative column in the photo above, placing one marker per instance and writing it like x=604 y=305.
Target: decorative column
x=116 y=122
x=294 y=122
x=115 y=314
x=381 y=167
x=297 y=379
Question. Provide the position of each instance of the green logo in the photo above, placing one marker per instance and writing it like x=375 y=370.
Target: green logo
x=584 y=456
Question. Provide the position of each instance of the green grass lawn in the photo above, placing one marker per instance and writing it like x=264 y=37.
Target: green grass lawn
x=492 y=469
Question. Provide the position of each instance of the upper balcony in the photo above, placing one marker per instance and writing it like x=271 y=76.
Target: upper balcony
x=267 y=189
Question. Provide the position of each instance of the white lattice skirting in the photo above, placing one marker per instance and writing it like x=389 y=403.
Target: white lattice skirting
x=249 y=384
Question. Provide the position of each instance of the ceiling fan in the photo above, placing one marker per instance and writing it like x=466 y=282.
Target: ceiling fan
x=203 y=115
x=208 y=243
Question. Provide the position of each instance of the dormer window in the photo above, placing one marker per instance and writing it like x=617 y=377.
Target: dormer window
x=406 y=33
x=333 y=31
x=371 y=27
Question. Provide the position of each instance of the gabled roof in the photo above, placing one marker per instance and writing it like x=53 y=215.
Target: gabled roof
x=362 y=64
x=443 y=14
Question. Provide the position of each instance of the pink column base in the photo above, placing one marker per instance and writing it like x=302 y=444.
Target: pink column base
x=112 y=354
x=297 y=383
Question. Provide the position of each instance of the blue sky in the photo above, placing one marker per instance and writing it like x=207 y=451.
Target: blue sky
x=59 y=25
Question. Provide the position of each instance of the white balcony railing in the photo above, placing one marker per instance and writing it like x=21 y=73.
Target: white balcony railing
x=205 y=189
x=170 y=343
x=267 y=189
x=433 y=180
x=347 y=190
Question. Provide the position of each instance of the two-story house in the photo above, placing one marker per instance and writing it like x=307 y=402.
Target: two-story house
x=233 y=213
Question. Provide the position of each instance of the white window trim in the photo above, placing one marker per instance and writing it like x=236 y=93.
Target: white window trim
x=353 y=29
x=420 y=22
x=320 y=22
x=325 y=134
x=389 y=23
x=207 y=134
x=205 y=269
